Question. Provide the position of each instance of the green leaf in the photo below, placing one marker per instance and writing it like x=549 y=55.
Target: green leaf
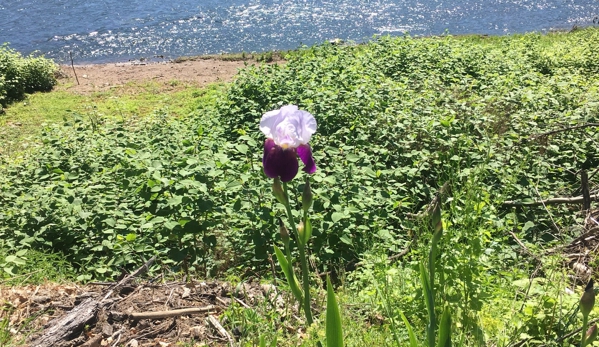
x=413 y=341
x=345 y=239
x=241 y=148
x=351 y=157
x=289 y=275
x=428 y=299
x=175 y=200
x=527 y=226
x=334 y=330
x=14 y=259
x=110 y=222
x=337 y=216
x=130 y=237
x=445 y=328
x=170 y=225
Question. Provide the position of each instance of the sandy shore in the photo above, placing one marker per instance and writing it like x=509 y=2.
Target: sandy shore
x=101 y=77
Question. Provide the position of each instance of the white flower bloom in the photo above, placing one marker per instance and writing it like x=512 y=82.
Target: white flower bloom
x=288 y=126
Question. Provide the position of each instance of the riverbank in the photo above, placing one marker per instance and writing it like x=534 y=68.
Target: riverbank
x=198 y=71
x=88 y=79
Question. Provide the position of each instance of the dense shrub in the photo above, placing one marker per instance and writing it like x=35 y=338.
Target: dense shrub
x=397 y=117
x=400 y=116
x=20 y=75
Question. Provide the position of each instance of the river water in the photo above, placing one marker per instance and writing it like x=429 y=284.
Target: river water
x=98 y=31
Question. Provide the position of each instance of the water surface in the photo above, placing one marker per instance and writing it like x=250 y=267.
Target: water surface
x=115 y=30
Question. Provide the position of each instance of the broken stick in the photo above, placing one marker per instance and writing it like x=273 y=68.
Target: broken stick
x=554 y=201
x=170 y=313
x=222 y=332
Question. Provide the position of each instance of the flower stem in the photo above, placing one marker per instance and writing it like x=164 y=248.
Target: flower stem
x=585 y=321
x=303 y=261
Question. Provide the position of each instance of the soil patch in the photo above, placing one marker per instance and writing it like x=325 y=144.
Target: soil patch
x=136 y=314
x=101 y=77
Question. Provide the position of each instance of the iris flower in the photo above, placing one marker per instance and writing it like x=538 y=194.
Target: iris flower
x=287 y=131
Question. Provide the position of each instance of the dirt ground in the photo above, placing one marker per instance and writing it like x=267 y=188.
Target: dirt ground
x=101 y=77
x=137 y=314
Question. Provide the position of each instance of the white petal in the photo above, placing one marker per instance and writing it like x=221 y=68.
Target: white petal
x=288 y=126
x=269 y=122
x=308 y=126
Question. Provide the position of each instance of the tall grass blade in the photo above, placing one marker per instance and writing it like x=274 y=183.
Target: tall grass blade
x=413 y=341
x=262 y=341
x=430 y=306
x=445 y=329
x=334 y=330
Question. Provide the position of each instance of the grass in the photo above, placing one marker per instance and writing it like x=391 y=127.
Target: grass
x=22 y=121
x=266 y=57
x=38 y=267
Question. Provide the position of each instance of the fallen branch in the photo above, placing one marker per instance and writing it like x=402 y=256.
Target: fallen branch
x=221 y=331
x=69 y=326
x=524 y=247
x=554 y=201
x=242 y=303
x=170 y=313
x=586 y=196
x=565 y=129
x=73 y=66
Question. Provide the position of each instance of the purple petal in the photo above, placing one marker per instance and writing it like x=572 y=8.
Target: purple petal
x=305 y=154
x=269 y=145
x=279 y=162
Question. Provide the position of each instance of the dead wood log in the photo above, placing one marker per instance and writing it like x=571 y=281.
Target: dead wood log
x=580 y=126
x=66 y=328
x=69 y=326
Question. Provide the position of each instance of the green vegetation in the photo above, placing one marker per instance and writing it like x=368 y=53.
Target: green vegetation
x=20 y=75
x=20 y=125
x=397 y=119
x=265 y=57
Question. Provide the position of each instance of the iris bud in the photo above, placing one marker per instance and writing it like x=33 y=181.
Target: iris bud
x=304 y=229
x=587 y=301
x=278 y=191
x=284 y=233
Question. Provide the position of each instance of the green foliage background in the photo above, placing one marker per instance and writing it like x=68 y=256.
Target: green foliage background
x=20 y=75
x=397 y=118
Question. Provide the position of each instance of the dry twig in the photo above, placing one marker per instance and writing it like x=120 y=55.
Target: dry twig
x=221 y=331
x=554 y=201
x=564 y=129
x=170 y=313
